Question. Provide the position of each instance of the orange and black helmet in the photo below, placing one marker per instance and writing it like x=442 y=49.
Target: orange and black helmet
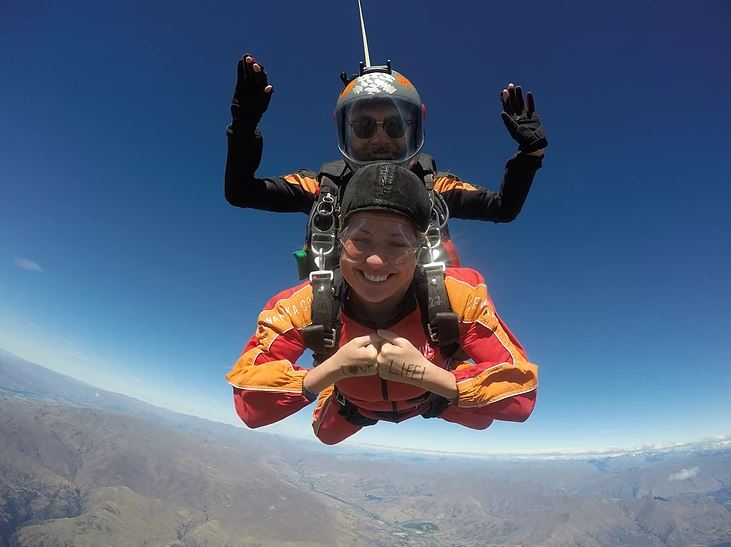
x=379 y=117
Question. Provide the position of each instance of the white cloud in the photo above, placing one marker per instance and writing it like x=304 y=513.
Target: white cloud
x=27 y=264
x=684 y=474
x=76 y=354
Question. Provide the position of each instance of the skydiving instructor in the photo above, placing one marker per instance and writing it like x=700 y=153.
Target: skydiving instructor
x=379 y=117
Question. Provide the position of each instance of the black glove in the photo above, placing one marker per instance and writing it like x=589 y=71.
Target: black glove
x=250 y=99
x=522 y=120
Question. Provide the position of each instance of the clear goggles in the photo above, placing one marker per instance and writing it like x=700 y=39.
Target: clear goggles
x=394 y=243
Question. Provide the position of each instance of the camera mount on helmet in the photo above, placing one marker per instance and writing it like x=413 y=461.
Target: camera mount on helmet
x=363 y=69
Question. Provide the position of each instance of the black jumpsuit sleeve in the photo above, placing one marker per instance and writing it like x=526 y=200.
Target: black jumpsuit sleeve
x=295 y=192
x=473 y=202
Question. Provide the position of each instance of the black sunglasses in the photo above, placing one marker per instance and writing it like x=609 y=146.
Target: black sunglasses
x=365 y=126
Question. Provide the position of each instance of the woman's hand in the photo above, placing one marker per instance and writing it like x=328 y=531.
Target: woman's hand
x=356 y=358
x=399 y=361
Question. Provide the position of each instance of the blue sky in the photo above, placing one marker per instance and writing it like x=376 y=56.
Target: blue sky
x=121 y=263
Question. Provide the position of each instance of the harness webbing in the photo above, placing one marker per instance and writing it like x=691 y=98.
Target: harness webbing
x=440 y=323
x=323 y=334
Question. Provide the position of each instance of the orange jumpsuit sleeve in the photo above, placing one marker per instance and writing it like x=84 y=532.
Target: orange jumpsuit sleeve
x=499 y=376
x=266 y=379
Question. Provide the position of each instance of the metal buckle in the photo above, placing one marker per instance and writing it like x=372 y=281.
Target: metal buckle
x=322 y=245
x=432 y=267
x=321 y=278
x=433 y=333
x=319 y=275
x=328 y=241
x=326 y=206
x=329 y=340
x=433 y=241
x=339 y=397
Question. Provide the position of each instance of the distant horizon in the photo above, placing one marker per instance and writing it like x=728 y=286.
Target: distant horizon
x=723 y=439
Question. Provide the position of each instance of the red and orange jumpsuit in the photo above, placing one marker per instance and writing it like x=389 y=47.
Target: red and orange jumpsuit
x=498 y=383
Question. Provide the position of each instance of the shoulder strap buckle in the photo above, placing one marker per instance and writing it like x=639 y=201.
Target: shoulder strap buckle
x=431 y=269
x=322 y=281
x=321 y=336
x=328 y=338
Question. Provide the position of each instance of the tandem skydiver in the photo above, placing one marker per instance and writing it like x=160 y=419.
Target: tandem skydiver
x=384 y=362
x=379 y=117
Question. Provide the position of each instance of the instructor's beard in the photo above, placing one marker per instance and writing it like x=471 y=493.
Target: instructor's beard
x=394 y=149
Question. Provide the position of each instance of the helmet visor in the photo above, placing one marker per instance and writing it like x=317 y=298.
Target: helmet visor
x=379 y=129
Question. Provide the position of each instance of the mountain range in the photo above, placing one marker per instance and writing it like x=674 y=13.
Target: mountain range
x=81 y=466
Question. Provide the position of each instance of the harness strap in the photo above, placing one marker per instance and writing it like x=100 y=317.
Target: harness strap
x=429 y=181
x=323 y=226
x=427 y=164
x=320 y=248
x=432 y=404
x=428 y=167
x=441 y=323
x=322 y=335
x=437 y=405
x=350 y=412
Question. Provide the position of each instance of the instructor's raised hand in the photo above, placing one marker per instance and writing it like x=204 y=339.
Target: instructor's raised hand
x=252 y=93
x=522 y=121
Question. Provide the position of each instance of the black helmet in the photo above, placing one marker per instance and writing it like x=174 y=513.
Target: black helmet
x=379 y=117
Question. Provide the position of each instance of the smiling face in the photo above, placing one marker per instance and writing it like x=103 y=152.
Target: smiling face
x=378 y=260
x=379 y=145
